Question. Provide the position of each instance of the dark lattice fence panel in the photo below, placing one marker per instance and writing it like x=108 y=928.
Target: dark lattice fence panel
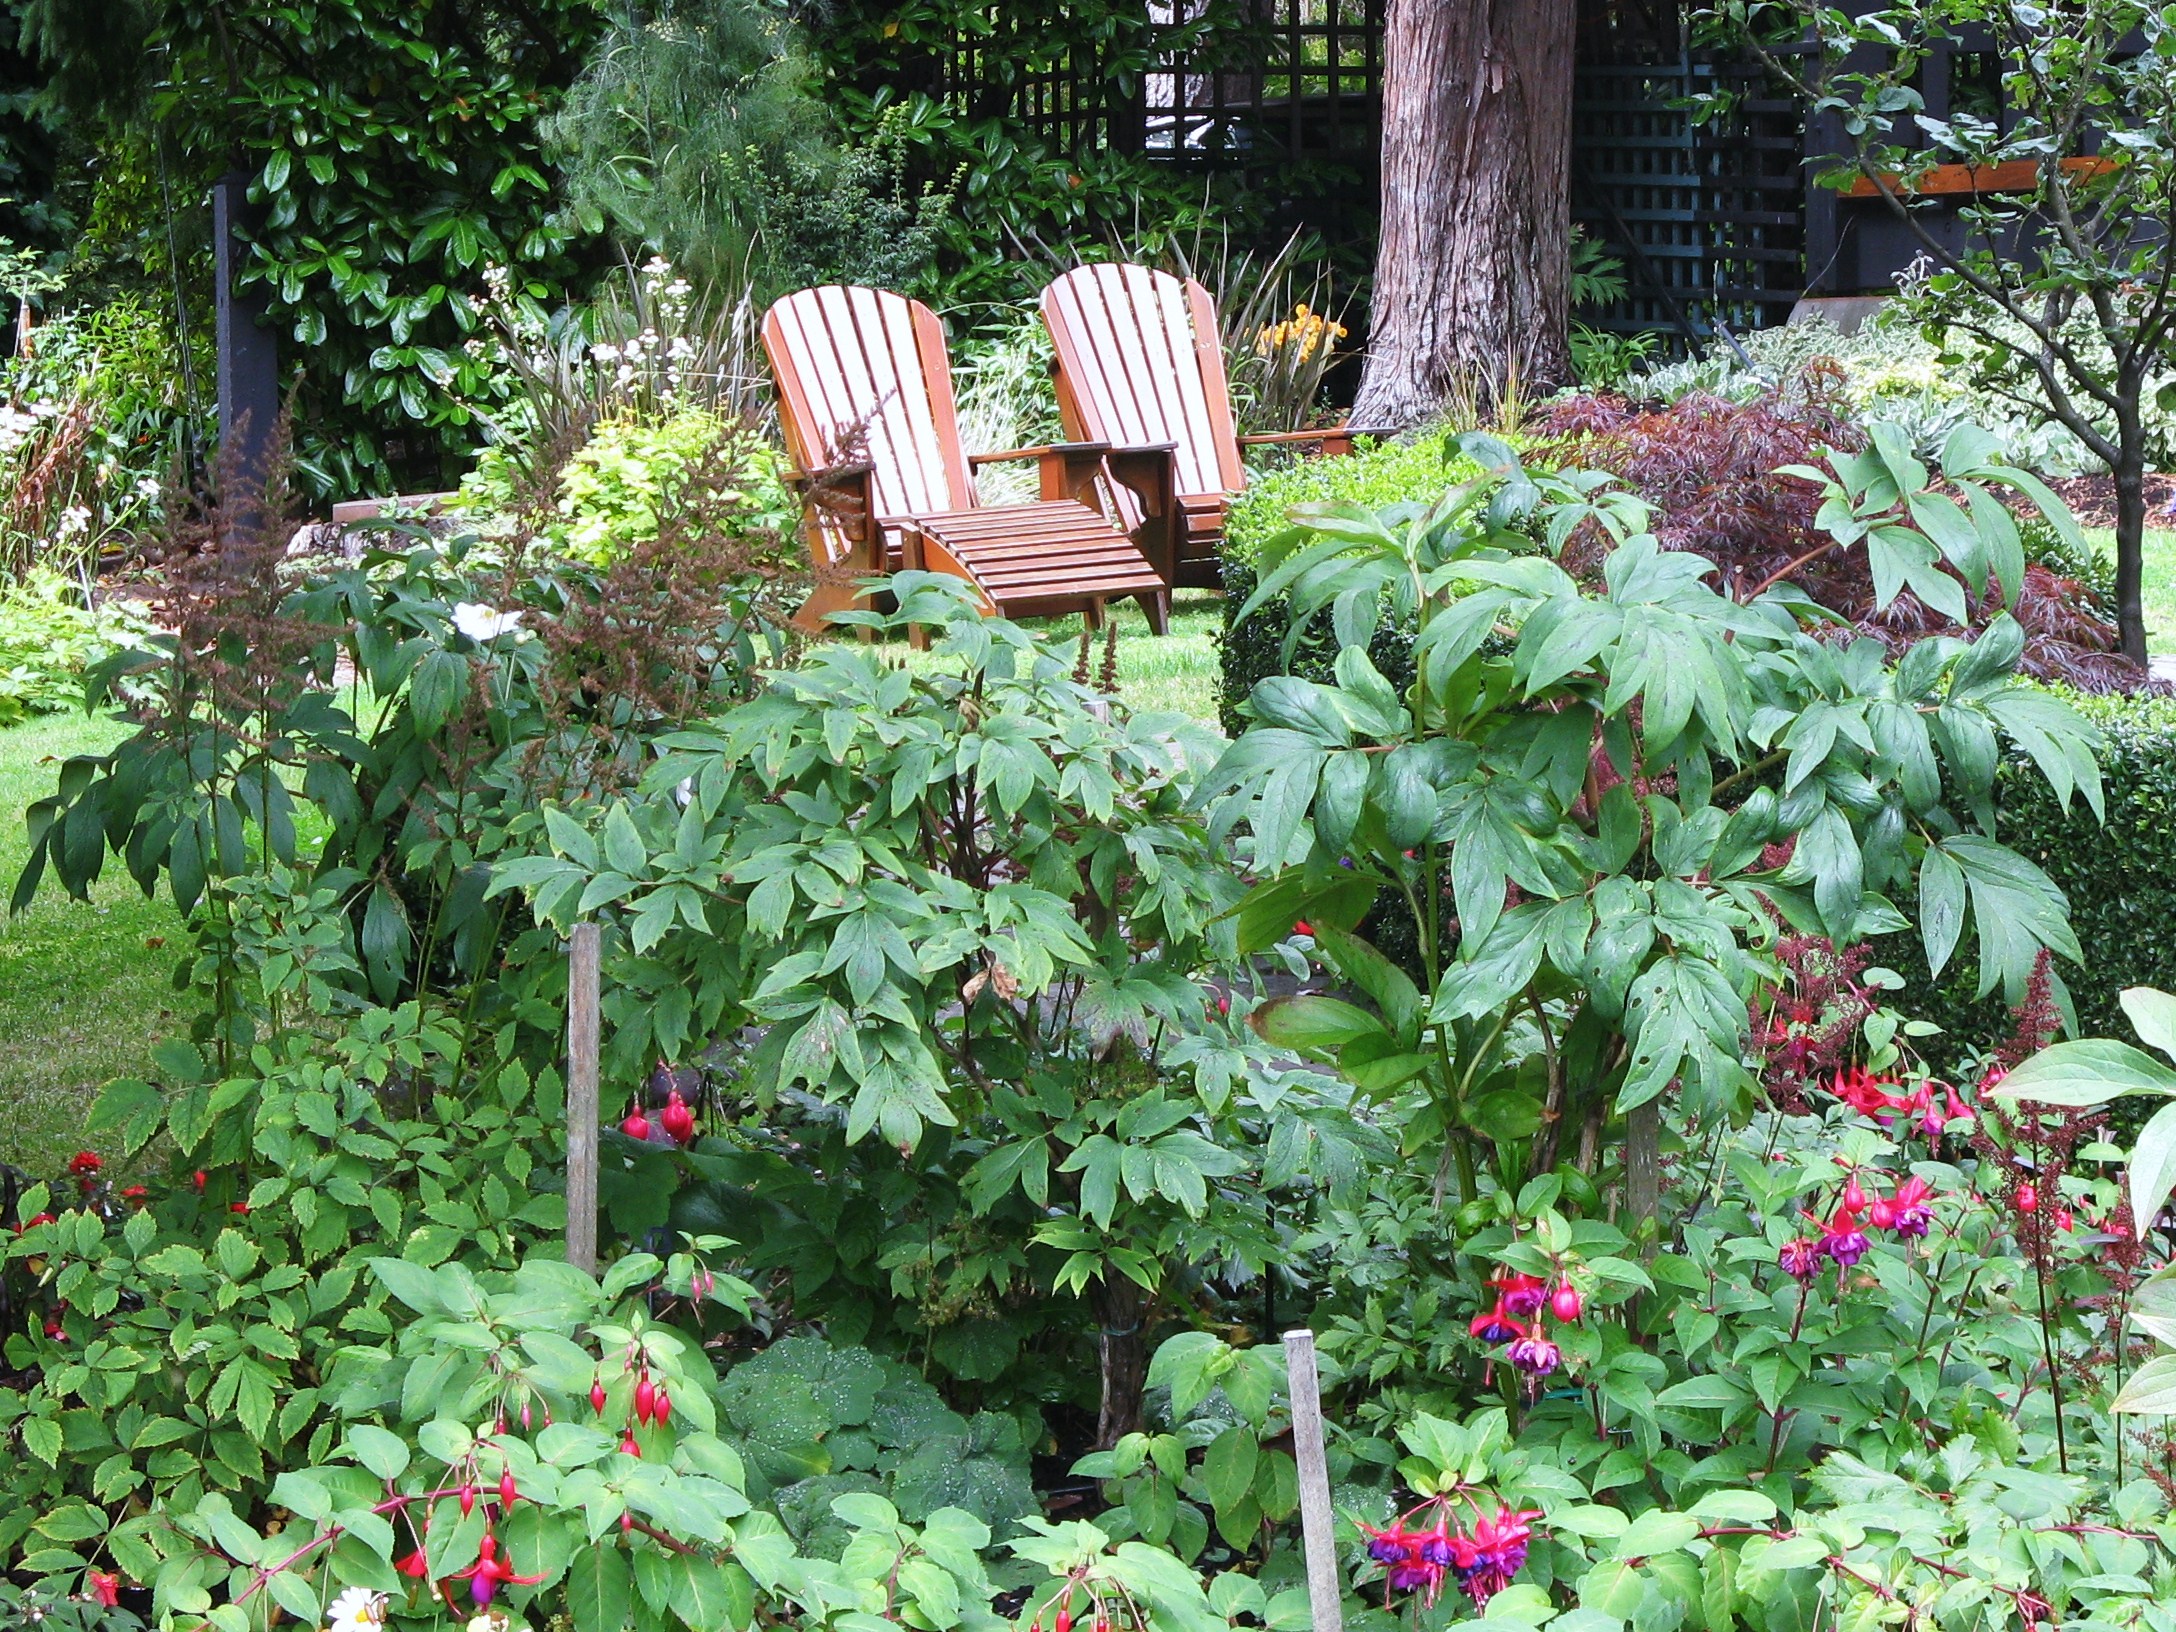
x=1706 y=216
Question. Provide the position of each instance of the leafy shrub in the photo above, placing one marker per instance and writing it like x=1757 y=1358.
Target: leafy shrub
x=1555 y=845
x=49 y=638
x=1729 y=482
x=2117 y=875
x=987 y=1122
x=611 y=494
x=1251 y=650
x=486 y=678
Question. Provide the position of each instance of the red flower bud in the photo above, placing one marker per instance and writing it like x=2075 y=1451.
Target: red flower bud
x=2028 y=1199
x=645 y=1398
x=1854 y=1197
x=468 y=1506
x=1300 y=926
x=237 y=1206
x=1064 y=1621
x=677 y=1120
x=1565 y=1302
x=637 y=1126
x=199 y=1179
x=630 y=1448
x=596 y=1396
x=661 y=1407
x=508 y=1496
x=627 y=1523
x=2063 y=1219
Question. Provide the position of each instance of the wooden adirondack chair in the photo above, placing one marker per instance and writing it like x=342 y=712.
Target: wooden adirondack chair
x=865 y=400
x=1139 y=359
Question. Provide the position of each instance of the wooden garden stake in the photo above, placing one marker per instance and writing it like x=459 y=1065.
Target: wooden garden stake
x=1316 y=1520
x=582 y=1106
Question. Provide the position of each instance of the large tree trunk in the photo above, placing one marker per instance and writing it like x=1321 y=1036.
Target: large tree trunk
x=1473 y=274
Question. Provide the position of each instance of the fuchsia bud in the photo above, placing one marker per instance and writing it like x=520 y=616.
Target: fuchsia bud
x=2028 y=1199
x=525 y=1416
x=661 y=1407
x=1565 y=1302
x=2063 y=1219
x=596 y=1396
x=645 y=1399
x=630 y=1448
x=627 y=1523
x=468 y=1501
x=508 y=1496
x=637 y=1126
x=1854 y=1197
x=677 y=1120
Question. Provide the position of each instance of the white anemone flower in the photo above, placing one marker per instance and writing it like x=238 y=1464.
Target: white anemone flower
x=484 y=624
x=357 y=1610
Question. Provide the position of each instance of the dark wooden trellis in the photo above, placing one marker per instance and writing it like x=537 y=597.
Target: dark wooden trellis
x=1708 y=218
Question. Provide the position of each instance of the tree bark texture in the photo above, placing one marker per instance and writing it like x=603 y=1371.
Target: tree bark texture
x=2130 y=479
x=1120 y=1307
x=1473 y=270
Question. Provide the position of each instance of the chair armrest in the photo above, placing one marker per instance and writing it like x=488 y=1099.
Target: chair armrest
x=1067 y=450
x=1335 y=439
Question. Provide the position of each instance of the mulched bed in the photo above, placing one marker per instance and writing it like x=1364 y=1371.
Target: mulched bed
x=2093 y=499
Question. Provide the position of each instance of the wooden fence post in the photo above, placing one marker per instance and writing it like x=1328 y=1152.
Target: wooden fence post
x=1325 y=1597
x=582 y=1107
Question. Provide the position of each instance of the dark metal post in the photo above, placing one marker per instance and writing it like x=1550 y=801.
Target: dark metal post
x=249 y=370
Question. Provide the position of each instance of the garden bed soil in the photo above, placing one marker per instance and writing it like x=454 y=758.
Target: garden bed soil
x=2093 y=499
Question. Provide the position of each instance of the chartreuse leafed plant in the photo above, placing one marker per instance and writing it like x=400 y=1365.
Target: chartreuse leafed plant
x=971 y=910
x=1600 y=804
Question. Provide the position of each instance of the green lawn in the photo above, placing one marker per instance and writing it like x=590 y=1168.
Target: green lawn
x=85 y=987
x=2159 y=587
x=1177 y=672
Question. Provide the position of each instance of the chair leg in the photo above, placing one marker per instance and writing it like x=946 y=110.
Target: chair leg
x=1092 y=614
x=918 y=636
x=1158 y=608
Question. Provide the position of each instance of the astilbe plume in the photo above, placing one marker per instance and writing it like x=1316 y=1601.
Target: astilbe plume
x=1709 y=466
x=2028 y=1147
x=1806 y=1028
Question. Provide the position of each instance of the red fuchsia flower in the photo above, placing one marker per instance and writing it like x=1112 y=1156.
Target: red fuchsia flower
x=1843 y=1240
x=1499 y=1549
x=1301 y=926
x=1534 y=1354
x=490 y=1572
x=85 y=1164
x=677 y=1120
x=1521 y=1294
x=137 y=1195
x=1496 y=1326
x=1800 y=1258
x=415 y=1565
x=1868 y=1095
x=102 y=1589
x=1909 y=1213
x=1565 y=1302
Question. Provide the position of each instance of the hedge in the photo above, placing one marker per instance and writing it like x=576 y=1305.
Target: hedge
x=1392 y=473
x=2120 y=877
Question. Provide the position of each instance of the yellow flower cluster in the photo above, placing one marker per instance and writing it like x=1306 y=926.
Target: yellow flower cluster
x=1300 y=333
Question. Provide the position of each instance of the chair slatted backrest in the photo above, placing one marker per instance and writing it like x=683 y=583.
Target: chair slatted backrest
x=1140 y=361
x=847 y=357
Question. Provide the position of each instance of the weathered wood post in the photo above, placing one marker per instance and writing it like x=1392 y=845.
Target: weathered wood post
x=1317 y=1523
x=582 y=1106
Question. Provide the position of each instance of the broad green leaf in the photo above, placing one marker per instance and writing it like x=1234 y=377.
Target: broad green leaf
x=2088 y=1072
